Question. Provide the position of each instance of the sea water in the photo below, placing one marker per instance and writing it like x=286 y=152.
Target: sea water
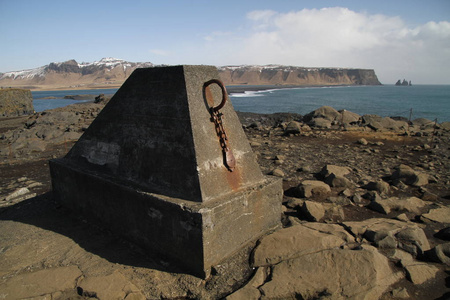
x=41 y=103
x=418 y=101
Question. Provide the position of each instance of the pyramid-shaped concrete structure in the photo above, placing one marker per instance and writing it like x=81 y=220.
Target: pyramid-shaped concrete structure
x=151 y=166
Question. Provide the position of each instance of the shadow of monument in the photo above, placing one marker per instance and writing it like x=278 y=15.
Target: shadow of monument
x=41 y=211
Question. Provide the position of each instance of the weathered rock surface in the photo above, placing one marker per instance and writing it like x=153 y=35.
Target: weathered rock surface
x=295 y=241
x=47 y=129
x=58 y=240
x=362 y=274
x=408 y=176
x=46 y=284
x=313 y=211
x=440 y=214
x=334 y=170
x=113 y=286
x=440 y=254
x=419 y=272
x=313 y=189
x=408 y=236
x=293 y=127
x=15 y=102
x=385 y=206
x=303 y=256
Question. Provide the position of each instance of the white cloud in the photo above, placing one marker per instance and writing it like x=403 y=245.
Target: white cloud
x=261 y=15
x=339 y=37
x=217 y=34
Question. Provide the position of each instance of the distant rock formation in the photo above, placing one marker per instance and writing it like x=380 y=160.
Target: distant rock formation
x=288 y=75
x=15 y=102
x=111 y=73
x=106 y=73
x=403 y=83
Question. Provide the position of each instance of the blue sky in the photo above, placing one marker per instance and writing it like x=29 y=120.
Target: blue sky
x=399 y=39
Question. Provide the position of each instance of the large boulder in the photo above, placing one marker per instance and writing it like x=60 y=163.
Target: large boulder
x=440 y=214
x=337 y=273
x=408 y=236
x=301 y=258
x=339 y=181
x=296 y=241
x=324 y=112
x=348 y=118
x=338 y=171
x=409 y=176
x=372 y=121
x=385 y=206
x=15 y=102
x=394 y=125
x=320 y=123
x=293 y=127
x=379 y=186
x=423 y=123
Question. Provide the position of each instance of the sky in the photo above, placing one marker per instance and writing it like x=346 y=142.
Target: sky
x=398 y=39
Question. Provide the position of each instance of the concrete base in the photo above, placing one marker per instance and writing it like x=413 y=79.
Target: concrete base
x=194 y=236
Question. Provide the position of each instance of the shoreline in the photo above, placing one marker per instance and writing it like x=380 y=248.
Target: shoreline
x=239 y=89
x=230 y=88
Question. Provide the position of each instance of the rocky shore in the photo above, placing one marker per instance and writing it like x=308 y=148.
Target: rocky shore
x=366 y=215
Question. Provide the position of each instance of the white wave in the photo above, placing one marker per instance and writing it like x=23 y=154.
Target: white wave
x=247 y=94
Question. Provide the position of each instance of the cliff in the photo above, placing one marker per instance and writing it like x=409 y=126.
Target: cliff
x=288 y=75
x=15 y=102
x=111 y=73
x=106 y=73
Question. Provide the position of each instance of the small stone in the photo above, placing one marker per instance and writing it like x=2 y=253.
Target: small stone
x=380 y=186
x=17 y=193
x=402 y=217
x=400 y=293
x=293 y=128
x=440 y=215
x=313 y=211
x=306 y=169
x=385 y=206
x=277 y=172
x=347 y=193
x=336 y=170
x=419 y=272
x=313 y=189
x=362 y=141
x=388 y=242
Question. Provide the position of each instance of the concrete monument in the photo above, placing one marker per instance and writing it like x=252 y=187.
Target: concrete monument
x=167 y=165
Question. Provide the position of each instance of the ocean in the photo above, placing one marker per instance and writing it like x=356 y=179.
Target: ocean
x=421 y=101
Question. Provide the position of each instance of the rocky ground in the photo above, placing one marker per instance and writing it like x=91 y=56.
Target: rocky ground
x=366 y=215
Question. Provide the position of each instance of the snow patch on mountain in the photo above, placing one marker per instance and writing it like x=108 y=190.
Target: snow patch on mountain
x=107 y=63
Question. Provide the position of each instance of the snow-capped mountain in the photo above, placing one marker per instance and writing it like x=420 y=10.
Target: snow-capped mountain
x=107 y=71
x=112 y=72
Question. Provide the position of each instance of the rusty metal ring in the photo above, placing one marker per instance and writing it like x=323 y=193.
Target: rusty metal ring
x=224 y=92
